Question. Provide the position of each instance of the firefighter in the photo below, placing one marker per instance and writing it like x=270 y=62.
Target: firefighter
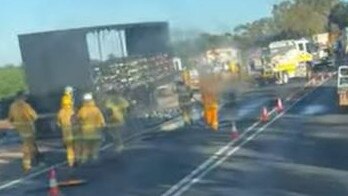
x=23 y=117
x=239 y=71
x=91 y=122
x=210 y=100
x=235 y=69
x=185 y=76
x=68 y=96
x=185 y=95
x=118 y=107
x=65 y=122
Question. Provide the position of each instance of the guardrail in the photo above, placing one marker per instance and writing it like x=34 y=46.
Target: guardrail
x=318 y=77
x=134 y=127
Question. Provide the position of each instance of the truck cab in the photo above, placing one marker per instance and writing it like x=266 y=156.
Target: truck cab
x=302 y=45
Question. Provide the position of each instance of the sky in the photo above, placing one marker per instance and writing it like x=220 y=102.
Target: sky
x=26 y=16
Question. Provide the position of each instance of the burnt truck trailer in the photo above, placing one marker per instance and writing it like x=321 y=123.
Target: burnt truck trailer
x=55 y=59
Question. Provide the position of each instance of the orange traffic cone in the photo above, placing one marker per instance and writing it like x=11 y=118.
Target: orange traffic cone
x=53 y=185
x=234 y=131
x=279 y=106
x=264 y=115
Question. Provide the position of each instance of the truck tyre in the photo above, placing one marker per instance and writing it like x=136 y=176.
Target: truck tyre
x=285 y=77
x=309 y=69
x=342 y=109
x=279 y=78
x=262 y=82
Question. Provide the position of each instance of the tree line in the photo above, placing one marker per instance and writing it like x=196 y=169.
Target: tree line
x=12 y=80
x=289 y=19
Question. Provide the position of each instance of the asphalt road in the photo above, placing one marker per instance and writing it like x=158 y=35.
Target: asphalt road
x=303 y=153
x=300 y=153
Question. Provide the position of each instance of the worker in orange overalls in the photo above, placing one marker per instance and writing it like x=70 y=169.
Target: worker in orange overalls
x=23 y=117
x=209 y=91
x=65 y=122
x=91 y=121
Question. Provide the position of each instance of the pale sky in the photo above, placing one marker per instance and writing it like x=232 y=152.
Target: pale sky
x=26 y=16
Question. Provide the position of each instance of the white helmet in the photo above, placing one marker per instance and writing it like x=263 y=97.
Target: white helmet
x=88 y=97
x=68 y=89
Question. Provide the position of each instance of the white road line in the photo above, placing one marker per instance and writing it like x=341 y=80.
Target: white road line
x=4 y=161
x=224 y=158
x=30 y=176
x=10 y=155
x=189 y=181
x=206 y=163
x=213 y=158
x=35 y=174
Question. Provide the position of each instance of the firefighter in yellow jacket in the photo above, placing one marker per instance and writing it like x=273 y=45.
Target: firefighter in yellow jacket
x=68 y=96
x=91 y=122
x=185 y=76
x=23 y=116
x=65 y=122
x=118 y=107
x=184 y=97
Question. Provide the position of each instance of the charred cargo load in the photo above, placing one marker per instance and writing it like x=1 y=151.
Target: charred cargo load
x=122 y=57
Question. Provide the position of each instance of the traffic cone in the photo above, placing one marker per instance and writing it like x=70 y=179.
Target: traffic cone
x=264 y=115
x=279 y=106
x=53 y=185
x=234 y=131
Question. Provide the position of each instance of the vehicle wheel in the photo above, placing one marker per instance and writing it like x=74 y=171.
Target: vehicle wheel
x=309 y=69
x=285 y=78
x=279 y=78
x=342 y=109
x=308 y=75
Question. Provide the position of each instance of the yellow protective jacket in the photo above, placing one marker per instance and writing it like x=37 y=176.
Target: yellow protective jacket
x=123 y=102
x=185 y=76
x=22 y=116
x=64 y=120
x=233 y=67
x=90 y=118
x=117 y=110
x=185 y=95
x=64 y=117
x=67 y=99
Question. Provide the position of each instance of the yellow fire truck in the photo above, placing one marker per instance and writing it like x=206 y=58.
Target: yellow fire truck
x=287 y=59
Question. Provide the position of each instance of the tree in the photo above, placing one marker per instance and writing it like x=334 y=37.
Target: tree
x=298 y=18
x=322 y=7
x=290 y=19
x=339 y=15
x=200 y=44
x=256 y=33
x=12 y=80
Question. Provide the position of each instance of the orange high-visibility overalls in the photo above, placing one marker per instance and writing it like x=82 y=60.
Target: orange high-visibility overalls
x=210 y=101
